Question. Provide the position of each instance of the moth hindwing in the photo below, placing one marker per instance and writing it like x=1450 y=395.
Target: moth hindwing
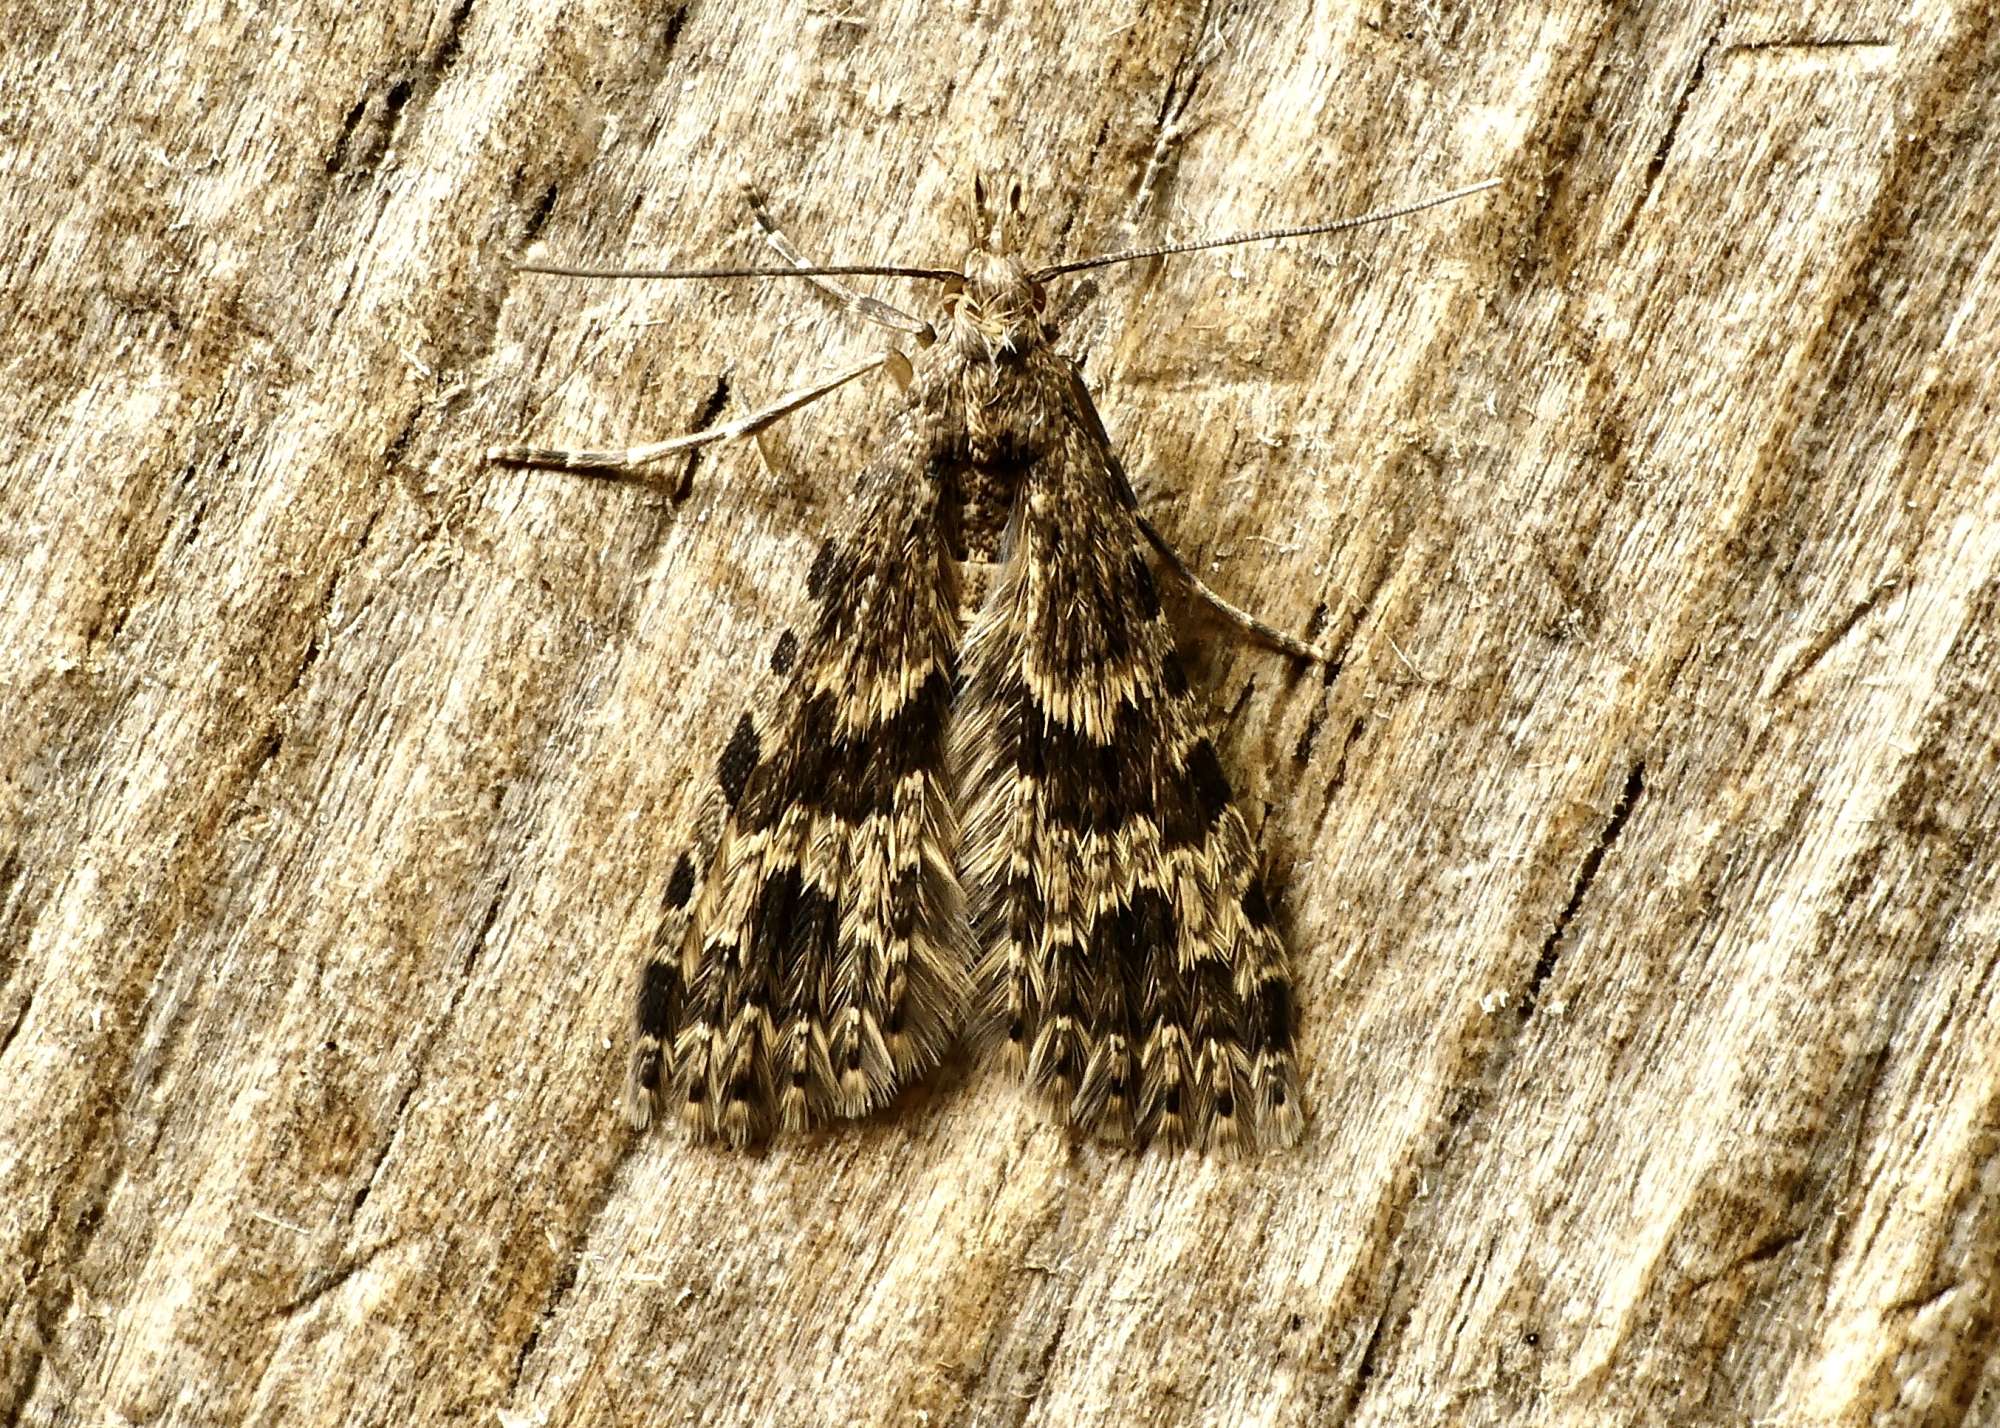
x=1007 y=818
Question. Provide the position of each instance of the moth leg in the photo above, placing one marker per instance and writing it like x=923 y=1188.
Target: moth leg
x=1235 y=614
x=633 y=457
x=861 y=305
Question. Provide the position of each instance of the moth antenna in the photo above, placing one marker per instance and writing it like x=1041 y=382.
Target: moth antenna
x=830 y=270
x=797 y=266
x=1262 y=235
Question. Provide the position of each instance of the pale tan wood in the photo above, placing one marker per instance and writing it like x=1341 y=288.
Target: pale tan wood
x=1639 y=857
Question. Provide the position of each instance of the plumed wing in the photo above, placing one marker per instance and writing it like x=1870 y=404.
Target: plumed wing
x=813 y=948
x=1127 y=952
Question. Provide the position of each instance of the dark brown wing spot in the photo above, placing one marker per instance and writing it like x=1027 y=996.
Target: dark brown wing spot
x=1272 y=1015
x=821 y=574
x=855 y=775
x=1024 y=911
x=646 y=1070
x=659 y=999
x=1092 y=787
x=739 y=761
x=808 y=952
x=786 y=654
x=1144 y=593
x=1134 y=942
x=777 y=905
x=1218 y=1011
x=680 y=884
x=1211 y=785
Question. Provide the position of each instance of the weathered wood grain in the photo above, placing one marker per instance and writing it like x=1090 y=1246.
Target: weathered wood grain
x=1640 y=855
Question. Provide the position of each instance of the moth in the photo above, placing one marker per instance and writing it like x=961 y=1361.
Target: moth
x=984 y=800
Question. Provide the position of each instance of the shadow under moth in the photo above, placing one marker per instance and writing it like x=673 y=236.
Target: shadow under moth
x=984 y=802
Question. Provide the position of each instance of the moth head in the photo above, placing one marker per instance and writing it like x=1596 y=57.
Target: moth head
x=996 y=302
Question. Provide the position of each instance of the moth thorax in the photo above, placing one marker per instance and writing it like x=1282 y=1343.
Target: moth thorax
x=998 y=307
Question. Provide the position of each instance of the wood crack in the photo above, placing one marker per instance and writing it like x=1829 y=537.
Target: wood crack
x=1545 y=964
x=1804 y=662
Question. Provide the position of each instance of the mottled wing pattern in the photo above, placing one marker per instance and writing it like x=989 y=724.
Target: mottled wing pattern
x=813 y=947
x=1127 y=952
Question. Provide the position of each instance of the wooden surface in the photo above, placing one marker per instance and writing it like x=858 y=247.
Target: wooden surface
x=1639 y=857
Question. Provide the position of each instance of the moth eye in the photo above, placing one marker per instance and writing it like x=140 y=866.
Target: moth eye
x=1038 y=295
